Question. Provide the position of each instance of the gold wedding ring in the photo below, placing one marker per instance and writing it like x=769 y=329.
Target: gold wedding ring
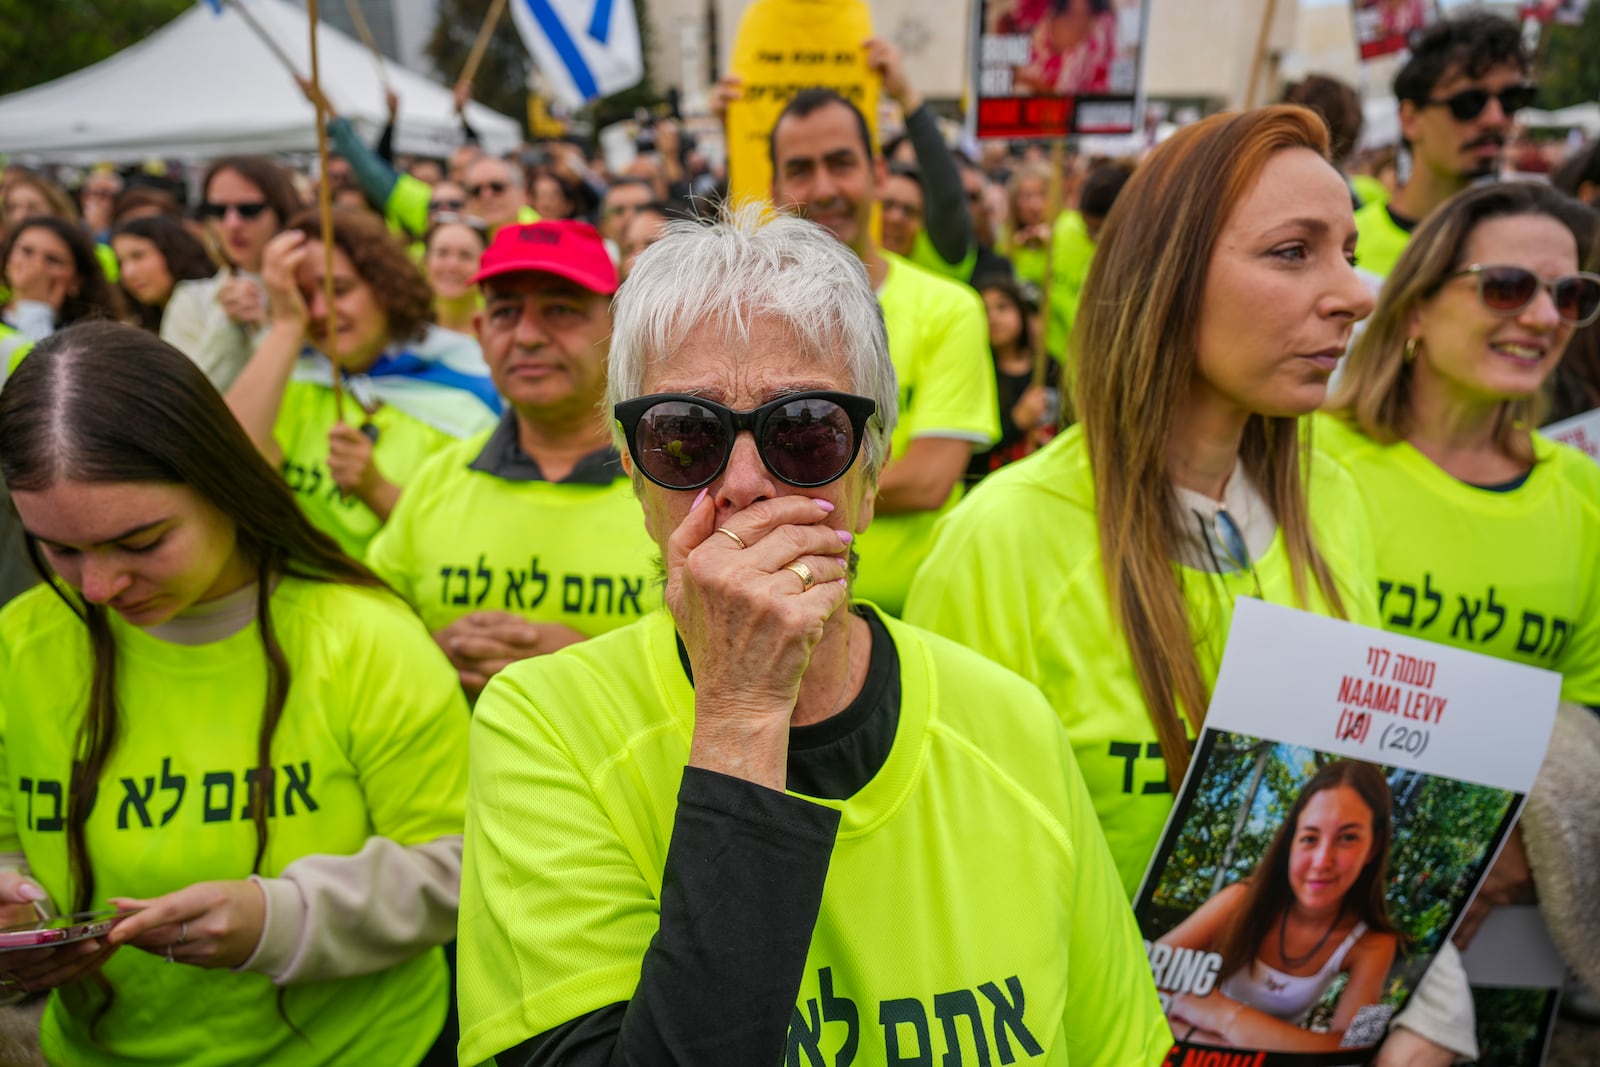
x=736 y=538
x=801 y=571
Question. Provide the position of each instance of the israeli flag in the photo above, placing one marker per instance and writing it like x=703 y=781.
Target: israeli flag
x=584 y=48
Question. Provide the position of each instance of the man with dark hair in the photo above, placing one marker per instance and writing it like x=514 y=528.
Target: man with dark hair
x=824 y=169
x=1465 y=79
x=901 y=202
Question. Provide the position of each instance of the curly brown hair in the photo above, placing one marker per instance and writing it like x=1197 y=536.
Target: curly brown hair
x=382 y=262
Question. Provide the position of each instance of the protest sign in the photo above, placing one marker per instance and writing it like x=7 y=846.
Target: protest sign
x=1516 y=977
x=1048 y=71
x=782 y=47
x=1561 y=12
x=1348 y=793
x=1581 y=432
x=1385 y=26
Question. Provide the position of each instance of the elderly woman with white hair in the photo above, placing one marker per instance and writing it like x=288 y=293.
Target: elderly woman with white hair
x=764 y=822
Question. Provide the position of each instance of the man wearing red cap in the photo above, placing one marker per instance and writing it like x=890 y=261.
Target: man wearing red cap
x=526 y=539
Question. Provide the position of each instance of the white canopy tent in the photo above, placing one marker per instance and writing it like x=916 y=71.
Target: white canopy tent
x=205 y=85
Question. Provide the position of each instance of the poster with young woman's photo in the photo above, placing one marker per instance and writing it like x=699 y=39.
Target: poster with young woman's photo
x=1048 y=68
x=1386 y=26
x=1349 y=792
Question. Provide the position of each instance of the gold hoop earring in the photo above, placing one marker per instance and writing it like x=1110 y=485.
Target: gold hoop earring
x=1411 y=350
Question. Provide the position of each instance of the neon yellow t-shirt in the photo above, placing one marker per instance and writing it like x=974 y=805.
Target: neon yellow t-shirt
x=1071 y=252
x=1030 y=264
x=13 y=346
x=1379 y=241
x=372 y=743
x=939 y=343
x=1016 y=575
x=462 y=540
x=971 y=857
x=924 y=255
x=304 y=419
x=1514 y=575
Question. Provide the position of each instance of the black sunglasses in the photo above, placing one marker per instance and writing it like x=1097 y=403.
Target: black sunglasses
x=447 y=205
x=493 y=188
x=1468 y=104
x=1507 y=290
x=683 y=442
x=250 y=209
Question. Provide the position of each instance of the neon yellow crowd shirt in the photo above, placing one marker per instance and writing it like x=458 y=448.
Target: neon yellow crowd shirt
x=1016 y=574
x=464 y=540
x=304 y=420
x=970 y=861
x=1381 y=240
x=372 y=742
x=939 y=343
x=1071 y=253
x=1509 y=574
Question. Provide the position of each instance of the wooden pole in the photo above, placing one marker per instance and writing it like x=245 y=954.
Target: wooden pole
x=1053 y=196
x=1258 y=65
x=330 y=341
x=481 y=45
x=363 y=31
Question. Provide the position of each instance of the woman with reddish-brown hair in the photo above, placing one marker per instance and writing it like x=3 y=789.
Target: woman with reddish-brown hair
x=404 y=389
x=1104 y=568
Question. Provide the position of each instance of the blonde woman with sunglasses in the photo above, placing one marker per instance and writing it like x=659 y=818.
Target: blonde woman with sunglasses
x=1488 y=534
x=1104 y=568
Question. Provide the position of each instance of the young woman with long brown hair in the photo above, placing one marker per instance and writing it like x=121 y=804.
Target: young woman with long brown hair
x=1104 y=568
x=1322 y=881
x=215 y=719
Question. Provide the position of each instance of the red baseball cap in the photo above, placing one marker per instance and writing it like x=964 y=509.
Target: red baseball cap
x=567 y=249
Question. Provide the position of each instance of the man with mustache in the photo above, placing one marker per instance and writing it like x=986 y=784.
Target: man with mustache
x=526 y=539
x=1465 y=80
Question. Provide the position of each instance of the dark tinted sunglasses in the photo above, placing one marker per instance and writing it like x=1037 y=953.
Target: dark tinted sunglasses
x=1468 y=104
x=1507 y=290
x=446 y=205
x=250 y=209
x=683 y=442
x=492 y=188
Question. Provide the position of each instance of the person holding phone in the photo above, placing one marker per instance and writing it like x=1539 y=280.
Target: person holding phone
x=215 y=720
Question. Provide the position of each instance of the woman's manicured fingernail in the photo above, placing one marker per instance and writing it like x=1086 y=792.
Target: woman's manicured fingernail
x=845 y=535
x=29 y=891
x=699 y=498
x=825 y=505
x=841 y=581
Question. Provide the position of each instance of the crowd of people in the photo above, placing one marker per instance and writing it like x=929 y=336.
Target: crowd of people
x=872 y=534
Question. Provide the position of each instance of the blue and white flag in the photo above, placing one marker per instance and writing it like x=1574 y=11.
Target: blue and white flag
x=583 y=48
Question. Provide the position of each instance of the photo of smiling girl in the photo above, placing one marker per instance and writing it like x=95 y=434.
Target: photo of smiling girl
x=1313 y=909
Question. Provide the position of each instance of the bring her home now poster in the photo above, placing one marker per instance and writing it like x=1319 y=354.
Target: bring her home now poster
x=1349 y=792
x=1049 y=68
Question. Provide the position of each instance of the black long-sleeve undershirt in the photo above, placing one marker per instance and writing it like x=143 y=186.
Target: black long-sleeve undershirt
x=740 y=893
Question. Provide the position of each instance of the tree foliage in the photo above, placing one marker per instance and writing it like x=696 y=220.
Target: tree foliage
x=502 y=79
x=1569 y=71
x=42 y=41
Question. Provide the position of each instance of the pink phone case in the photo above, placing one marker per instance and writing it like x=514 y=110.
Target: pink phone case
x=64 y=930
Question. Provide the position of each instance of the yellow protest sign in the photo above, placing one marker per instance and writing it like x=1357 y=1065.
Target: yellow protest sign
x=782 y=47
